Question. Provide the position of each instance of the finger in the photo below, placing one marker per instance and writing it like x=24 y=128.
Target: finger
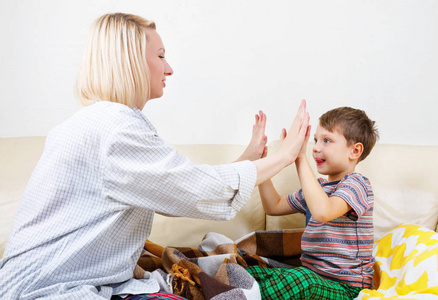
x=303 y=111
x=299 y=118
x=306 y=138
x=265 y=151
x=305 y=125
x=263 y=121
x=283 y=134
x=262 y=115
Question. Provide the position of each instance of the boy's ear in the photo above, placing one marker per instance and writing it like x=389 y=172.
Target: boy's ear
x=356 y=151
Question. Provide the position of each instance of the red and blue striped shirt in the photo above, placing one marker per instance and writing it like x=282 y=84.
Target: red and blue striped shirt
x=341 y=249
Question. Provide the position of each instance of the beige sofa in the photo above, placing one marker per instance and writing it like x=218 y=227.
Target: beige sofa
x=405 y=192
x=402 y=177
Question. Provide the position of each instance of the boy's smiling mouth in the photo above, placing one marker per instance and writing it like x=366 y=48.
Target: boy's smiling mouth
x=319 y=161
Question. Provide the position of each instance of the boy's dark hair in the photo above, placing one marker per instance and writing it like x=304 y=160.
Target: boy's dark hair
x=354 y=124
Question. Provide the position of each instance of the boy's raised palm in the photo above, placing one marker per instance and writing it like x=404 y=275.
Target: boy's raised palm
x=303 y=150
x=292 y=142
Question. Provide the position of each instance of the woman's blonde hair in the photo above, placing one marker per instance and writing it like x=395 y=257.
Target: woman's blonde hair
x=114 y=66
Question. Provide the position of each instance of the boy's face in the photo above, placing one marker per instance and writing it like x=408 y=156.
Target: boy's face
x=332 y=154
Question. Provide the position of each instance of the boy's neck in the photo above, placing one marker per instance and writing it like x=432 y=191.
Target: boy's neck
x=339 y=176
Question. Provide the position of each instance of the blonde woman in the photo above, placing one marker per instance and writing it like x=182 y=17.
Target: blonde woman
x=89 y=205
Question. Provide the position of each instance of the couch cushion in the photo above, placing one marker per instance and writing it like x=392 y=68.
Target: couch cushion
x=404 y=186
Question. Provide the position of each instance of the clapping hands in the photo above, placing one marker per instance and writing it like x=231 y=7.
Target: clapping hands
x=292 y=143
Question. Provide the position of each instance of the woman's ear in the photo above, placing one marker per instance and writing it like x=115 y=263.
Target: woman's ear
x=356 y=151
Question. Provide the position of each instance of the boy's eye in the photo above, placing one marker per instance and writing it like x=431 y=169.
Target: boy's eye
x=326 y=141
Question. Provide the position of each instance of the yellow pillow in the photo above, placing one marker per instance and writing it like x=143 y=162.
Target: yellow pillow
x=406 y=265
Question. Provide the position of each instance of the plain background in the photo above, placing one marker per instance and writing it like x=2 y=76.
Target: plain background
x=232 y=58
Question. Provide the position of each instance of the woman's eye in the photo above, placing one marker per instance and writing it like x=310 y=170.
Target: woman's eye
x=161 y=56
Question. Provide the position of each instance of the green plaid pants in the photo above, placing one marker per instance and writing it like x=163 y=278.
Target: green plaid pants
x=299 y=283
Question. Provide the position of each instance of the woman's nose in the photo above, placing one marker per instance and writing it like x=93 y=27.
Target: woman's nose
x=167 y=69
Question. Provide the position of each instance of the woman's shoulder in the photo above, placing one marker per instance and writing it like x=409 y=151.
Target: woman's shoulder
x=103 y=118
x=111 y=115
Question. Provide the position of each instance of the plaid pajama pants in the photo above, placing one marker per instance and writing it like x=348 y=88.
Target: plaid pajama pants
x=299 y=283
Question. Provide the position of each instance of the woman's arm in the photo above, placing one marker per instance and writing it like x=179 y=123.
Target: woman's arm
x=142 y=170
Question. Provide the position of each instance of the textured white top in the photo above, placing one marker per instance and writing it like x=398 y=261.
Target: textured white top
x=88 y=207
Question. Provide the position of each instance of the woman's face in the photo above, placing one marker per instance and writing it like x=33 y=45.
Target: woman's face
x=158 y=66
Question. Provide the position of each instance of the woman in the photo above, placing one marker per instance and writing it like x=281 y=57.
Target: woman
x=89 y=205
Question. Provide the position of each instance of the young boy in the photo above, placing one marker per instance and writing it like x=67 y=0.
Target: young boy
x=337 y=243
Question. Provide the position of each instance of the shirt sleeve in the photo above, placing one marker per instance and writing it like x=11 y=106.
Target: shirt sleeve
x=297 y=201
x=354 y=191
x=142 y=170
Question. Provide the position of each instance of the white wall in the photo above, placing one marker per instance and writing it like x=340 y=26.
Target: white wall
x=232 y=58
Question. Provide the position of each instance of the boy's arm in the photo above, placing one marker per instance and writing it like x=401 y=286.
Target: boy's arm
x=321 y=207
x=274 y=204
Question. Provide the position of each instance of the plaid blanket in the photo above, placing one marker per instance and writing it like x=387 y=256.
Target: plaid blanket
x=216 y=269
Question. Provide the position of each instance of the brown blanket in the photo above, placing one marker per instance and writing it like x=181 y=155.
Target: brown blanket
x=216 y=270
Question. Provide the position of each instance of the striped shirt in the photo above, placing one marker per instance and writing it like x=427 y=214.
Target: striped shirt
x=88 y=207
x=341 y=249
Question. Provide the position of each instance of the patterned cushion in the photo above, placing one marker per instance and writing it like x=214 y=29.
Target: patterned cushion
x=406 y=265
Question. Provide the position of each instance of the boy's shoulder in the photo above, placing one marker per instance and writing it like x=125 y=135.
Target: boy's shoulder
x=354 y=177
x=351 y=179
x=357 y=181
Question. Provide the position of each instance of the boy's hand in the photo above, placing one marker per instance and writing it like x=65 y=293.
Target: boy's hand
x=303 y=150
x=257 y=146
x=292 y=143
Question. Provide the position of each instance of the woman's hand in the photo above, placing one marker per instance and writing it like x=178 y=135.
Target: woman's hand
x=257 y=146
